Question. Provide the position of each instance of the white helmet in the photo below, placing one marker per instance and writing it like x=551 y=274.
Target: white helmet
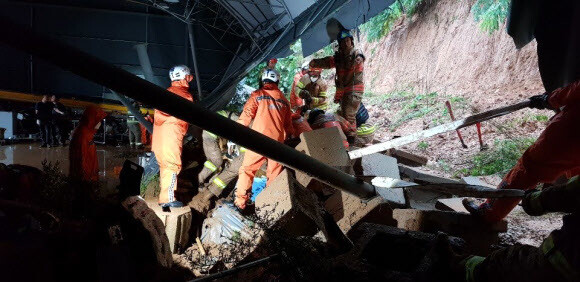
x=179 y=72
x=270 y=76
x=305 y=66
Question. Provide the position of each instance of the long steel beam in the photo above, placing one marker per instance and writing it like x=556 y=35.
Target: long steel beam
x=98 y=71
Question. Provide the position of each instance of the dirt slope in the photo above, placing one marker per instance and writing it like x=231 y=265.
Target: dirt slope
x=442 y=49
x=441 y=54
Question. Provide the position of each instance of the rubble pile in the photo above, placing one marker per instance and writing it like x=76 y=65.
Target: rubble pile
x=341 y=235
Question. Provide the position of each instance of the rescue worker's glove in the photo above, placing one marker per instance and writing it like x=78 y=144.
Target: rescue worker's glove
x=540 y=102
x=233 y=149
x=202 y=201
x=531 y=202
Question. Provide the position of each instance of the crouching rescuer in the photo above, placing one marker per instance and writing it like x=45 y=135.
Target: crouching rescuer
x=167 y=140
x=271 y=115
x=219 y=171
x=557 y=258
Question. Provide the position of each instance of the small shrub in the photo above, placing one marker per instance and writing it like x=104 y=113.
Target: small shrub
x=423 y=145
x=541 y=118
x=500 y=159
x=381 y=24
x=490 y=13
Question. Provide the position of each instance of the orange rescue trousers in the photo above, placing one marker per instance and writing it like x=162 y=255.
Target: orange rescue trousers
x=555 y=153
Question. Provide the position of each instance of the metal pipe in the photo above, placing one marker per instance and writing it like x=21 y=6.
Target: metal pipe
x=194 y=57
x=135 y=112
x=100 y=72
x=145 y=63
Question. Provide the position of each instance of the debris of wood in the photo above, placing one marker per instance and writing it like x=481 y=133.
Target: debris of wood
x=376 y=165
x=407 y=158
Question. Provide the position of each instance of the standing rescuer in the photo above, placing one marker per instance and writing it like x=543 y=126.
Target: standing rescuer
x=270 y=111
x=167 y=140
x=349 y=64
x=84 y=164
x=556 y=152
x=313 y=90
x=295 y=101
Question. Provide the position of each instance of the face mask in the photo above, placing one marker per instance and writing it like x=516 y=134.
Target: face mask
x=314 y=79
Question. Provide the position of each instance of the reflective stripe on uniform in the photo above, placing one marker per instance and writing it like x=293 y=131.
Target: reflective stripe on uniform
x=365 y=129
x=219 y=183
x=243 y=150
x=210 y=166
x=322 y=94
x=470 y=264
x=557 y=259
x=211 y=134
x=300 y=84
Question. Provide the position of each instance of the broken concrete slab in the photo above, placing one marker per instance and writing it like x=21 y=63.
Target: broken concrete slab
x=451 y=204
x=420 y=176
x=479 y=235
x=420 y=198
x=289 y=205
x=177 y=224
x=286 y=203
x=348 y=210
x=407 y=158
x=326 y=146
x=376 y=165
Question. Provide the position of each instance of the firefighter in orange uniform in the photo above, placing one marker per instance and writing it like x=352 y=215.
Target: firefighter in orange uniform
x=167 y=140
x=84 y=164
x=556 y=152
x=271 y=115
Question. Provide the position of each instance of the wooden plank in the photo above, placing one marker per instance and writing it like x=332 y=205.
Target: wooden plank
x=407 y=158
x=420 y=135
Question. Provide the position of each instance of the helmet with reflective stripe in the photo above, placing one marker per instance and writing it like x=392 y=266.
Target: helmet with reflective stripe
x=179 y=72
x=343 y=34
x=314 y=71
x=305 y=66
x=271 y=76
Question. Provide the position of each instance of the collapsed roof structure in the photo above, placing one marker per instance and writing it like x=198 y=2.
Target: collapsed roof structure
x=222 y=39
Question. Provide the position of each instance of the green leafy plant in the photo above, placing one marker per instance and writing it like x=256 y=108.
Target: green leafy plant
x=490 y=14
x=423 y=145
x=500 y=159
x=380 y=25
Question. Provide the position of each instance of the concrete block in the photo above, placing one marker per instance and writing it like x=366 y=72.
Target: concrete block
x=478 y=234
x=451 y=204
x=326 y=146
x=348 y=210
x=177 y=225
x=377 y=165
x=289 y=205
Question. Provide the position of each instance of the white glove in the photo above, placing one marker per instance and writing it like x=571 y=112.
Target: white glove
x=38 y=121
x=233 y=149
